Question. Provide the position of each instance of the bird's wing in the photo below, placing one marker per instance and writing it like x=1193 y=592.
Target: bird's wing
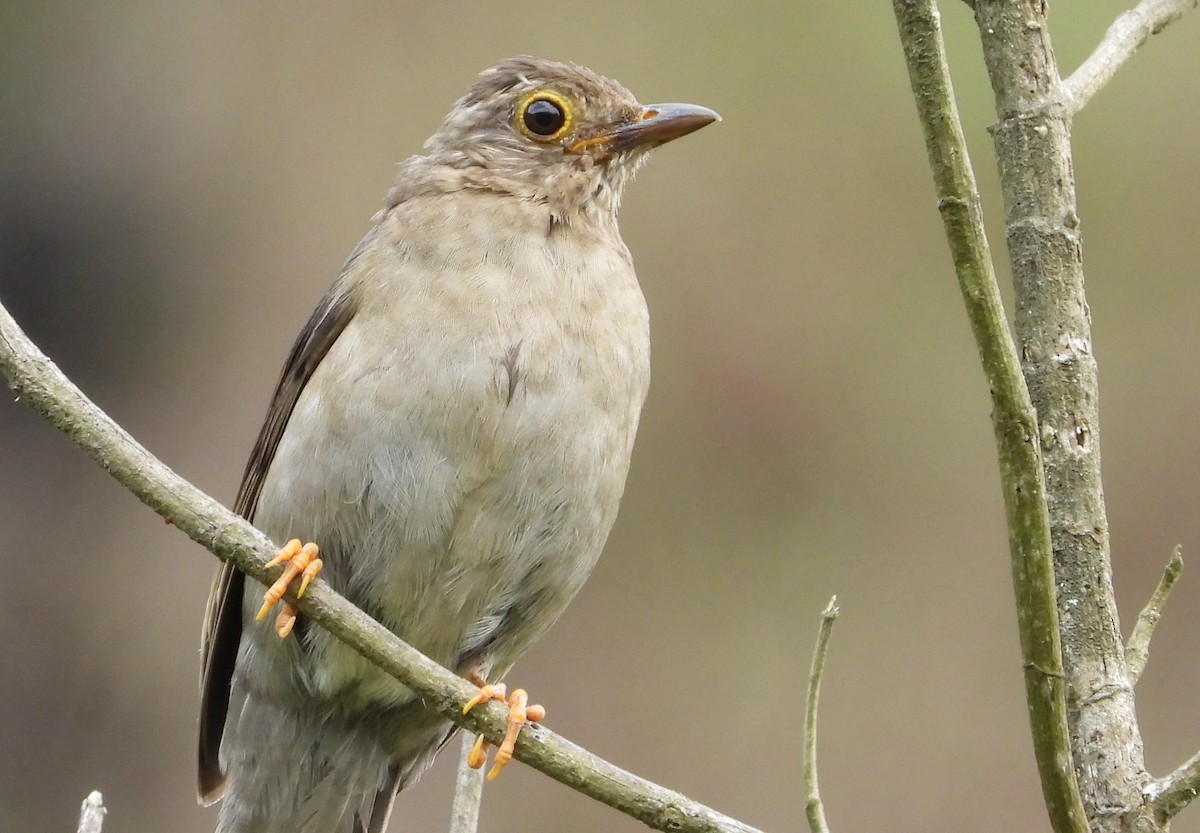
x=223 y=613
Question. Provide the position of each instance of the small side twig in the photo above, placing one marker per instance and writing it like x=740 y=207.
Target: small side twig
x=1137 y=649
x=813 y=808
x=468 y=790
x=1128 y=32
x=1169 y=795
x=91 y=814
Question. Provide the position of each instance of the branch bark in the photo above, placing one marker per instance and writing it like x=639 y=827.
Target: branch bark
x=42 y=386
x=1013 y=419
x=1053 y=327
x=468 y=790
x=1052 y=322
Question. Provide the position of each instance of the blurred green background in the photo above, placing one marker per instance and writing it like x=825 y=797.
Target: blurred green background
x=180 y=182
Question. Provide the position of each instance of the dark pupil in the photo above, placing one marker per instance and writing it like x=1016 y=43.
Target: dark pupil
x=543 y=117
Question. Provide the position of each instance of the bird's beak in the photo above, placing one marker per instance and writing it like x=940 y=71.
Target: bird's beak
x=656 y=125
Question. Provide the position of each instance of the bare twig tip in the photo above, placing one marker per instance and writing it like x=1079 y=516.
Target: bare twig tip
x=1137 y=649
x=1175 y=566
x=1128 y=32
x=91 y=814
x=813 y=807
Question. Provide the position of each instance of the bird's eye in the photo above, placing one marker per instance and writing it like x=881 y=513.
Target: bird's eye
x=544 y=117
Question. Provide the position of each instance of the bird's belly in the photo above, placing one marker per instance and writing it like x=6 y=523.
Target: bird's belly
x=461 y=503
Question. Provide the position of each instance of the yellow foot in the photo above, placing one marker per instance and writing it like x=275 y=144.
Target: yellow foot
x=519 y=713
x=301 y=561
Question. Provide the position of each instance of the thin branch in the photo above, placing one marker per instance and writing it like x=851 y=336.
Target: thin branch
x=91 y=814
x=813 y=807
x=1013 y=418
x=468 y=790
x=42 y=386
x=1128 y=32
x=1171 y=794
x=1137 y=649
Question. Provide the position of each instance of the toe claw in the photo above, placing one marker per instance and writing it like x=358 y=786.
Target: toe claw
x=478 y=756
x=486 y=692
x=310 y=570
x=285 y=621
x=285 y=553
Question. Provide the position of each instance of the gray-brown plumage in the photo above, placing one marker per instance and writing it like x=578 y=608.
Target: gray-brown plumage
x=453 y=427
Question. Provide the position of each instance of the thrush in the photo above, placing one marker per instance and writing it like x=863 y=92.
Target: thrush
x=451 y=432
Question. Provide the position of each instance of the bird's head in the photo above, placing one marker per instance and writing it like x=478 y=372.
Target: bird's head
x=551 y=132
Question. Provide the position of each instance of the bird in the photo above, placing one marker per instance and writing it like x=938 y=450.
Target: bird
x=451 y=433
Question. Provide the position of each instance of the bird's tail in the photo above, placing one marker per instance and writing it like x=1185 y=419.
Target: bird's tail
x=289 y=772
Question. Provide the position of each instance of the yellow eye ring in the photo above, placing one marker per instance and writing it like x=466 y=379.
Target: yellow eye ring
x=544 y=116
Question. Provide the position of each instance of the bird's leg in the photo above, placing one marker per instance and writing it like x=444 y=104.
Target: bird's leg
x=301 y=561
x=519 y=713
